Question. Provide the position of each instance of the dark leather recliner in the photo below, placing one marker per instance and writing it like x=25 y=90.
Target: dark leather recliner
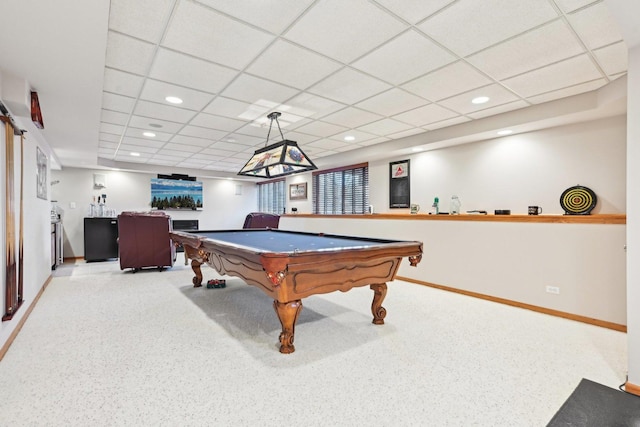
x=143 y=240
x=261 y=220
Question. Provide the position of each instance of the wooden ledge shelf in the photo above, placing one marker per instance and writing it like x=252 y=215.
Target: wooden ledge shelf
x=557 y=219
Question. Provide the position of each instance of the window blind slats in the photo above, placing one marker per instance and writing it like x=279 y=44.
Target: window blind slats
x=341 y=191
x=271 y=196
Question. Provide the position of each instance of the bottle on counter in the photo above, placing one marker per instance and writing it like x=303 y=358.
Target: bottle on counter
x=454 y=206
x=435 y=207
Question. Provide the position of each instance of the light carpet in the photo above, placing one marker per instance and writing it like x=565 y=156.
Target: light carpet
x=105 y=347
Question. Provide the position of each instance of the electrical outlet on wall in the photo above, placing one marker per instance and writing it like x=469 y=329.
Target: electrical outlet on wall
x=553 y=289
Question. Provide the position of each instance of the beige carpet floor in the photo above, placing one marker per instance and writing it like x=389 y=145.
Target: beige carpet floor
x=105 y=347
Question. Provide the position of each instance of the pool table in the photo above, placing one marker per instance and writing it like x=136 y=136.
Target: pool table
x=289 y=266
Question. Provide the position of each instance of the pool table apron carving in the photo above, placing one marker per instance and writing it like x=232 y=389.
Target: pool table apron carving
x=289 y=277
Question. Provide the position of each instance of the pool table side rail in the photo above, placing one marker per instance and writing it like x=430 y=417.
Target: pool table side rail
x=196 y=240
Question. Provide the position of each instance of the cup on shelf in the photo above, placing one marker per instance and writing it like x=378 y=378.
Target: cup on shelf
x=535 y=210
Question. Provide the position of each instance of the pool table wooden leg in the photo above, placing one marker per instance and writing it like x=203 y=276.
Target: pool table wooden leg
x=379 y=312
x=288 y=314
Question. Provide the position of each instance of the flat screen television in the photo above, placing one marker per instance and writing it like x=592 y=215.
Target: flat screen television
x=176 y=194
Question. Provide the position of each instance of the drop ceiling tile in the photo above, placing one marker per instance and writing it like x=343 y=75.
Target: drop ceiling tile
x=553 y=77
x=108 y=145
x=384 y=127
x=570 y=91
x=351 y=117
x=126 y=156
x=424 y=115
x=571 y=5
x=462 y=103
x=227 y=107
x=191 y=141
x=106 y=153
x=184 y=70
x=406 y=133
x=344 y=30
x=157 y=91
x=469 y=26
x=184 y=149
x=252 y=89
x=404 y=58
x=128 y=54
x=349 y=86
x=246 y=140
x=216 y=122
x=272 y=16
x=114 y=117
x=157 y=144
x=613 y=59
x=159 y=127
x=359 y=136
x=113 y=102
x=200 y=132
x=308 y=105
x=300 y=138
x=113 y=129
x=392 y=102
x=175 y=154
x=227 y=146
x=253 y=130
x=595 y=26
x=232 y=44
x=137 y=149
x=375 y=141
x=217 y=152
x=143 y=19
x=163 y=112
x=447 y=123
x=164 y=158
x=139 y=133
x=327 y=144
x=277 y=64
x=321 y=129
x=109 y=137
x=550 y=43
x=447 y=81
x=122 y=83
x=414 y=11
x=195 y=162
x=499 y=109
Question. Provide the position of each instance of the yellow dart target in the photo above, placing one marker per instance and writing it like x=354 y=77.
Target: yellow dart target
x=578 y=200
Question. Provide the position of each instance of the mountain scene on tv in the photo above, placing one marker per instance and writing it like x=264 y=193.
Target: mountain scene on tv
x=176 y=194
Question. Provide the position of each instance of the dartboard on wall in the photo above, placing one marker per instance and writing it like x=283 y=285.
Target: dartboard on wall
x=578 y=200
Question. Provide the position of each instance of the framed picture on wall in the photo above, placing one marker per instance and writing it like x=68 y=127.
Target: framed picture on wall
x=399 y=185
x=298 y=191
x=41 y=169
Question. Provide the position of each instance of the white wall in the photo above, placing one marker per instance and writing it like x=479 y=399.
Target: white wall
x=516 y=171
x=36 y=229
x=633 y=217
x=128 y=191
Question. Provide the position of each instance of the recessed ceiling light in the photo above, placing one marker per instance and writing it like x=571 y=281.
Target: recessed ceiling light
x=149 y=134
x=417 y=149
x=480 y=100
x=505 y=132
x=134 y=154
x=173 y=100
x=349 y=138
x=231 y=140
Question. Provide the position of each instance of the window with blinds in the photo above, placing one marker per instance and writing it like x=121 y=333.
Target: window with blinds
x=341 y=190
x=271 y=196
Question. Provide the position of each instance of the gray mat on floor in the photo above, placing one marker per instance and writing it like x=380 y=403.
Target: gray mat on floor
x=592 y=404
